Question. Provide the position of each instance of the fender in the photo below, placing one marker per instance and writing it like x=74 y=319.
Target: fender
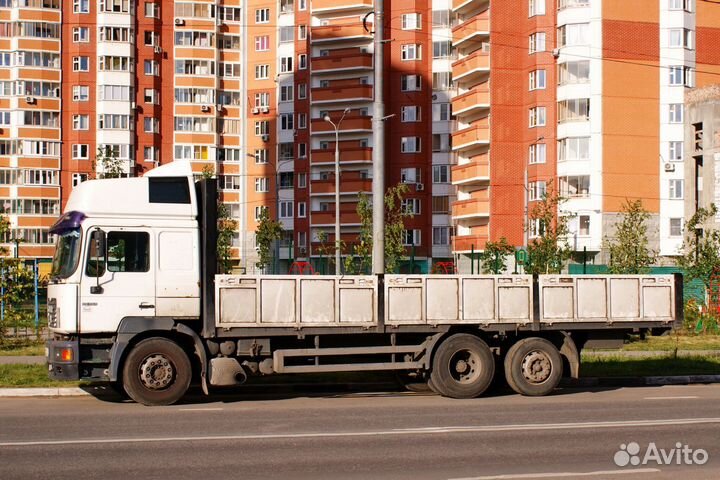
x=131 y=327
x=570 y=352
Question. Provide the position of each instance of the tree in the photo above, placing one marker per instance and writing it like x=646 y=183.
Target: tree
x=549 y=250
x=268 y=231
x=360 y=259
x=226 y=227
x=629 y=250
x=16 y=283
x=700 y=257
x=493 y=257
x=110 y=165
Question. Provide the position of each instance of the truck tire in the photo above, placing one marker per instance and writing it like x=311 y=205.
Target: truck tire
x=157 y=372
x=463 y=367
x=533 y=367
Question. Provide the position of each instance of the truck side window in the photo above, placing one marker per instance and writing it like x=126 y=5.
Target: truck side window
x=126 y=251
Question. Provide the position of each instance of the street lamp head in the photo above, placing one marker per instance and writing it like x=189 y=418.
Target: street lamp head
x=346 y=110
x=327 y=118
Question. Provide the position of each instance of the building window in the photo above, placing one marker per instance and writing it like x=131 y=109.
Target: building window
x=151 y=67
x=80 y=151
x=151 y=125
x=574 y=72
x=411 y=21
x=577 y=186
x=81 y=93
x=536 y=190
x=78 y=178
x=573 y=3
x=262 y=15
x=302 y=180
x=574 y=148
x=411 y=206
x=410 y=175
x=676 y=227
x=302 y=239
x=302 y=32
x=675 y=191
x=410 y=144
x=81 y=6
x=287 y=33
x=410 y=113
x=81 y=122
x=286 y=93
x=262 y=43
x=151 y=96
x=302 y=91
x=286 y=64
x=441 y=236
x=262 y=72
x=537 y=117
x=440 y=142
x=681 y=75
x=412 y=237
x=261 y=155
x=675 y=113
x=287 y=121
x=537 y=42
x=286 y=209
x=262 y=128
x=302 y=209
x=410 y=83
x=574 y=110
x=302 y=61
x=152 y=10
x=441 y=49
x=442 y=80
x=680 y=5
x=536 y=7
x=675 y=153
x=441 y=112
x=574 y=34
x=441 y=174
x=536 y=153
x=262 y=185
x=680 y=38
x=441 y=18
x=81 y=34
x=411 y=52
x=537 y=80
x=150 y=154
x=262 y=99
x=301 y=120
x=441 y=204
x=81 y=64
x=583 y=225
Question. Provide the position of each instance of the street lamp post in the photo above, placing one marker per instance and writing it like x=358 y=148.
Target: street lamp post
x=337 y=186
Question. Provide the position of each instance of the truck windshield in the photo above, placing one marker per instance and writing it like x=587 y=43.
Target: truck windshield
x=67 y=254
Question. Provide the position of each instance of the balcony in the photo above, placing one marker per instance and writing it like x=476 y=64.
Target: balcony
x=344 y=63
x=475 y=136
x=472 y=69
x=473 y=173
x=342 y=94
x=472 y=102
x=463 y=7
x=349 y=124
x=347 y=156
x=350 y=183
x=471 y=33
x=337 y=6
x=474 y=208
x=326 y=218
x=468 y=243
x=335 y=33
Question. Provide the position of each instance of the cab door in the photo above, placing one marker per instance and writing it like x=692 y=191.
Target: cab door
x=118 y=279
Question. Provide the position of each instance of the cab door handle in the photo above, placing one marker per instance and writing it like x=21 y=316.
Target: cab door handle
x=146 y=305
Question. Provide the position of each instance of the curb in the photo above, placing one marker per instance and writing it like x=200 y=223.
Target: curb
x=100 y=391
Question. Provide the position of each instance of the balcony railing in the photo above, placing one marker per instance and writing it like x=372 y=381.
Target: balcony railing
x=342 y=94
x=349 y=124
x=331 y=63
x=471 y=173
x=350 y=182
x=347 y=155
x=327 y=217
x=471 y=66
x=475 y=29
x=468 y=243
x=473 y=208
x=331 y=33
x=469 y=102
x=476 y=135
x=329 y=6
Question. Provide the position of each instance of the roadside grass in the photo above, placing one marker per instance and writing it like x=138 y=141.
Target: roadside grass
x=672 y=341
x=21 y=348
x=16 y=376
x=618 y=366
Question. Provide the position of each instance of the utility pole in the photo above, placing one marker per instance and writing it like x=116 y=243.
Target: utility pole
x=378 y=153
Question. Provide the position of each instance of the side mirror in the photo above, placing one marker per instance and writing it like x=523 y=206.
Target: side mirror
x=98 y=238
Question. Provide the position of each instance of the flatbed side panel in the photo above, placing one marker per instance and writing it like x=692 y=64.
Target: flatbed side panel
x=296 y=301
x=627 y=299
x=458 y=299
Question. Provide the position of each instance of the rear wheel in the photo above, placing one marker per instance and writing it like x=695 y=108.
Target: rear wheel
x=157 y=372
x=463 y=367
x=533 y=367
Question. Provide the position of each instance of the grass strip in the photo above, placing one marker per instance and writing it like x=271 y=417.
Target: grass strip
x=594 y=366
x=19 y=376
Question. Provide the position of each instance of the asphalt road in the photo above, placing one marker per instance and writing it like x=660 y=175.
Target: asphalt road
x=572 y=434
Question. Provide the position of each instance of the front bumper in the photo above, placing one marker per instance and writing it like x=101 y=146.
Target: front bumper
x=62 y=359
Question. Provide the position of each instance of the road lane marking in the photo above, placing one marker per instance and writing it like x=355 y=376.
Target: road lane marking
x=678 y=397
x=378 y=433
x=563 y=474
x=199 y=409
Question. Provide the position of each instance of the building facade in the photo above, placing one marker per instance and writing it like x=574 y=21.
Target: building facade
x=488 y=102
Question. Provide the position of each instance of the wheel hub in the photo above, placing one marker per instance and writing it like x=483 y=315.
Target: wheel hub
x=465 y=366
x=156 y=372
x=536 y=367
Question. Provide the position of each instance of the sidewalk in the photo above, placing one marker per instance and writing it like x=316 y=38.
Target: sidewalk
x=21 y=360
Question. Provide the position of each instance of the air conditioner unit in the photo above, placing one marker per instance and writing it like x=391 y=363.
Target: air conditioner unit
x=419 y=187
x=205 y=108
x=30 y=99
x=256 y=110
x=158 y=49
x=556 y=52
x=265 y=109
x=266 y=138
x=179 y=22
x=669 y=167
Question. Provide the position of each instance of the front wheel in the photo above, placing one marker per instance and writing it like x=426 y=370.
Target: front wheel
x=462 y=367
x=157 y=372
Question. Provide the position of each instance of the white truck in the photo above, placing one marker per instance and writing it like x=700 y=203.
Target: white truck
x=134 y=300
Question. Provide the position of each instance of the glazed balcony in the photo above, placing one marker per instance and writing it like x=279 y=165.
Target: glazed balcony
x=475 y=136
x=325 y=218
x=342 y=94
x=355 y=124
x=337 y=33
x=347 y=155
x=350 y=183
x=472 y=102
x=475 y=208
x=469 y=243
x=338 y=6
x=472 y=69
x=473 y=173
x=471 y=33
x=344 y=63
